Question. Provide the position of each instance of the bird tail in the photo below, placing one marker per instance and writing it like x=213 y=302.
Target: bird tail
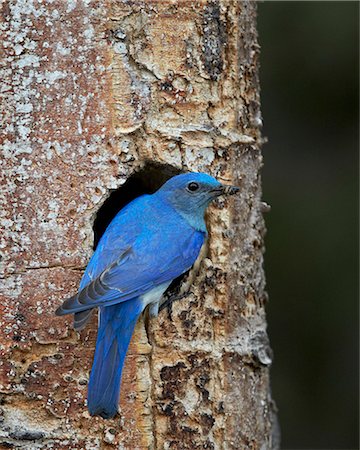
x=116 y=326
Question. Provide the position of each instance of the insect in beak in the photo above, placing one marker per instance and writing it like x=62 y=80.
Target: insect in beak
x=229 y=190
x=225 y=189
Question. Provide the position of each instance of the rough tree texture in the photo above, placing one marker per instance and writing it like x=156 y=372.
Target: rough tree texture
x=92 y=91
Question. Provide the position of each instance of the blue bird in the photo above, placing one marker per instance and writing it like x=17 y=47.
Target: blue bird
x=150 y=242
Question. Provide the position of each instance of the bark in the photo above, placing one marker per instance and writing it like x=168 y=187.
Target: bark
x=93 y=92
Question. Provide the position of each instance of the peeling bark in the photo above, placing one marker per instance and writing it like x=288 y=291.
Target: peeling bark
x=92 y=91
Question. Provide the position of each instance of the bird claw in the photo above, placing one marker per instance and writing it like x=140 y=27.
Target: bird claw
x=169 y=302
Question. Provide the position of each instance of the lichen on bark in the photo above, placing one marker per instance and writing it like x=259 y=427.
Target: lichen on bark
x=94 y=91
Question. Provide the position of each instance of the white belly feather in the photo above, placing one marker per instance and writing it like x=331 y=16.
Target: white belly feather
x=153 y=297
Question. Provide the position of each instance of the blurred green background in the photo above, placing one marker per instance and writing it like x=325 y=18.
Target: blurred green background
x=309 y=79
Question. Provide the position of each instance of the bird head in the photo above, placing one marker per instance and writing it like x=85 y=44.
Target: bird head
x=191 y=193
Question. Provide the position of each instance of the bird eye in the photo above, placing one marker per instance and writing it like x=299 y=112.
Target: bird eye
x=193 y=186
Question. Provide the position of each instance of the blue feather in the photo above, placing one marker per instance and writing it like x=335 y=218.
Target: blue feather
x=116 y=327
x=138 y=268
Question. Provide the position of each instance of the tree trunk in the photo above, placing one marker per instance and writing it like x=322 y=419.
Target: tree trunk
x=94 y=92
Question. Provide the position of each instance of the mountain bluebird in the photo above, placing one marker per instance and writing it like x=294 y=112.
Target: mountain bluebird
x=149 y=243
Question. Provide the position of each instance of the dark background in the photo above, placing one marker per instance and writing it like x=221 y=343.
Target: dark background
x=309 y=79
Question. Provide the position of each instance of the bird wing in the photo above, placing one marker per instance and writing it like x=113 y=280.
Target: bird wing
x=119 y=236
x=151 y=261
